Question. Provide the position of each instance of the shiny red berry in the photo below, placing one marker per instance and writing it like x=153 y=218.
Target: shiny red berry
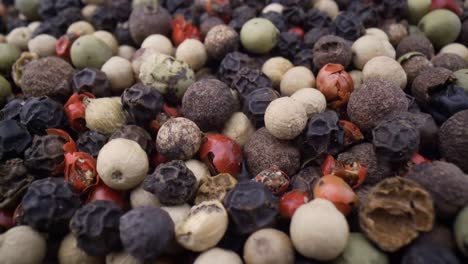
x=221 y=154
x=290 y=201
x=103 y=192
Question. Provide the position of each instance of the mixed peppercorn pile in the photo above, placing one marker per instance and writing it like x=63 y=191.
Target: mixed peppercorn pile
x=233 y=131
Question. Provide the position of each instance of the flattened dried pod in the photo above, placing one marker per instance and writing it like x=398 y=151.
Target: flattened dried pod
x=394 y=213
x=215 y=188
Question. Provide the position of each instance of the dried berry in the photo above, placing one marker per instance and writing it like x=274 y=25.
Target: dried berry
x=45 y=154
x=240 y=15
x=447 y=101
x=137 y=134
x=415 y=42
x=103 y=19
x=102 y=192
x=14 y=181
x=251 y=206
x=248 y=80
x=453 y=139
x=366 y=12
x=221 y=154
x=332 y=49
x=221 y=40
x=321 y=133
x=12 y=110
x=215 y=188
x=39 y=113
x=420 y=253
x=179 y=138
x=277 y=19
x=96 y=227
x=173 y=183
x=14 y=138
x=289 y=44
x=394 y=213
x=449 y=61
x=313 y=35
x=91 y=142
x=316 y=18
x=306 y=179
x=348 y=26
x=428 y=81
x=147 y=20
x=49 y=204
x=123 y=36
x=93 y=81
x=291 y=201
x=141 y=103
x=275 y=179
x=337 y=191
x=146 y=232
x=231 y=64
x=336 y=84
x=305 y=58
x=256 y=103
x=413 y=63
x=294 y=15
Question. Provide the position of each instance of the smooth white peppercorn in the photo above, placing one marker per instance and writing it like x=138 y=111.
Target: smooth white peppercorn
x=120 y=73
x=140 y=198
x=275 y=68
x=19 y=37
x=43 y=45
x=328 y=6
x=313 y=100
x=386 y=68
x=138 y=57
x=121 y=258
x=88 y=11
x=285 y=118
x=367 y=47
x=81 y=27
x=109 y=39
x=199 y=169
x=70 y=253
x=357 y=77
x=193 y=52
x=239 y=127
x=178 y=213
x=126 y=52
x=22 y=245
x=34 y=25
x=214 y=255
x=456 y=48
x=377 y=32
x=160 y=43
x=295 y=79
x=273 y=7
x=104 y=115
x=268 y=246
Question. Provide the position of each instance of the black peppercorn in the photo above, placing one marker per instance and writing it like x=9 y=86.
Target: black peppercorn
x=173 y=5
x=14 y=138
x=173 y=183
x=348 y=26
x=209 y=23
x=91 y=142
x=256 y=103
x=305 y=58
x=209 y=103
x=447 y=101
x=93 y=81
x=248 y=80
x=392 y=9
x=395 y=140
x=14 y=181
x=121 y=9
x=49 y=27
x=366 y=12
x=316 y=18
x=240 y=15
x=146 y=232
x=294 y=15
x=313 y=35
x=453 y=139
x=47 y=9
x=332 y=49
x=231 y=65
x=96 y=227
x=64 y=4
x=421 y=253
x=277 y=19
x=289 y=44
x=137 y=134
x=45 y=154
x=49 y=204
x=122 y=34
x=141 y=103
x=40 y=113
x=449 y=61
x=12 y=110
x=415 y=42
x=103 y=19
x=306 y=179
x=251 y=206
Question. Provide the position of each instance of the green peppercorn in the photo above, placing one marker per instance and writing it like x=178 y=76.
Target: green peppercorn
x=28 y=8
x=461 y=231
x=360 y=250
x=89 y=51
x=440 y=26
x=8 y=56
x=417 y=9
x=5 y=90
x=462 y=78
x=259 y=35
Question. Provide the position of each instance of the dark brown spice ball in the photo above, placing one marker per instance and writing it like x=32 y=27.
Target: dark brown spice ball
x=446 y=183
x=264 y=151
x=332 y=49
x=427 y=81
x=14 y=181
x=373 y=101
x=93 y=81
x=453 y=140
x=45 y=154
x=48 y=76
x=306 y=179
x=137 y=134
x=364 y=153
x=449 y=61
x=415 y=42
x=147 y=20
x=413 y=63
x=209 y=103
x=221 y=40
x=142 y=103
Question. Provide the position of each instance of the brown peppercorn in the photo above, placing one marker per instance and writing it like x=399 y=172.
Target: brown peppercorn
x=394 y=213
x=449 y=61
x=427 y=81
x=446 y=183
x=209 y=103
x=147 y=20
x=373 y=101
x=332 y=49
x=178 y=138
x=215 y=188
x=395 y=32
x=413 y=63
x=264 y=151
x=221 y=40
x=48 y=76
x=416 y=42
x=453 y=140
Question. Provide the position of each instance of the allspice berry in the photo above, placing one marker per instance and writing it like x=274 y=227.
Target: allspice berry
x=332 y=49
x=453 y=139
x=275 y=68
x=259 y=35
x=385 y=68
x=285 y=118
x=295 y=79
x=213 y=256
x=449 y=61
x=146 y=20
x=413 y=63
x=104 y=115
x=49 y=76
x=22 y=245
x=415 y=42
x=220 y=41
x=268 y=246
x=209 y=103
x=122 y=164
x=179 y=138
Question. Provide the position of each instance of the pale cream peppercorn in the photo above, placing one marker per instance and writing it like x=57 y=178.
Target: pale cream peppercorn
x=141 y=198
x=367 y=47
x=386 y=68
x=193 y=52
x=285 y=118
x=22 y=245
x=121 y=258
x=273 y=7
x=199 y=169
x=295 y=79
x=178 y=213
x=214 y=255
x=34 y=25
x=19 y=37
x=377 y=32
x=328 y=6
x=138 y=57
x=268 y=246
x=109 y=39
x=2 y=38
x=70 y=253
x=126 y=52
x=43 y=45
x=456 y=48
x=88 y=11
x=357 y=77
x=313 y=100
x=239 y=128
x=104 y=115
x=159 y=43
x=120 y=74
x=275 y=68
x=81 y=27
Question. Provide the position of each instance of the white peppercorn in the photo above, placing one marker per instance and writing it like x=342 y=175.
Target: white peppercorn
x=178 y=213
x=70 y=253
x=239 y=128
x=199 y=169
x=81 y=27
x=328 y=6
x=367 y=47
x=377 y=32
x=109 y=39
x=456 y=48
x=19 y=37
x=273 y=7
x=22 y=245
x=295 y=79
x=275 y=68
x=120 y=74
x=104 y=115
x=121 y=258
x=137 y=59
x=285 y=118
x=141 y=198
x=43 y=45
x=386 y=68
x=126 y=52
x=34 y=25
x=313 y=100
x=88 y=11
x=214 y=255
x=268 y=246
x=160 y=43
x=193 y=52
x=357 y=77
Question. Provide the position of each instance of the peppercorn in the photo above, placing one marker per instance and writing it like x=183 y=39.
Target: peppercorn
x=428 y=253
x=179 y=138
x=215 y=188
x=295 y=79
x=193 y=52
x=285 y=118
x=141 y=103
x=146 y=232
x=104 y=115
x=413 y=63
x=160 y=43
x=172 y=183
x=415 y=42
x=91 y=142
x=70 y=253
x=49 y=204
x=362 y=109
x=146 y=20
x=385 y=68
x=239 y=128
x=347 y=26
x=231 y=64
x=455 y=48
x=137 y=134
x=453 y=137
x=141 y=198
x=278 y=249
x=461 y=231
x=40 y=113
x=275 y=68
x=449 y=61
x=81 y=28
x=119 y=71
x=93 y=81
x=221 y=40
x=23 y=245
x=89 y=51
x=213 y=255
x=14 y=138
x=278 y=20
x=259 y=35
x=15 y=181
x=45 y=154
x=104 y=18
x=43 y=45
x=96 y=227
x=427 y=81
x=248 y=80
x=367 y=12
x=209 y=103
x=440 y=21
x=256 y=209
x=18 y=67
x=360 y=250
x=256 y=104
x=332 y=49
x=367 y=47
x=288 y=44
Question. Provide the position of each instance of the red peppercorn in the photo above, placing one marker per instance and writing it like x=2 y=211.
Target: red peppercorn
x=64 y=43
x=172 y=111
x=337 y=191
x=68 y=147
x=104 y=192
x=328 y=165
x=275 y=179
x=451 y=5
x=353 y=174
x=6 y=219
x=352 y=134
x=75 y=111
x=182 y=30
x=336 y=84
x=290 y=201
x=221 y=154
x=298 y=31
x=80 y=170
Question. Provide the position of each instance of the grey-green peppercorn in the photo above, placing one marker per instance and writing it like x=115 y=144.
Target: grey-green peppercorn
x=8 y=55
x=259 y=35
x=5 y=90
x=28 y=8
x=462 y=78
x=441 y=26
x=461 y=231
x=89 y=51
x=360 y=250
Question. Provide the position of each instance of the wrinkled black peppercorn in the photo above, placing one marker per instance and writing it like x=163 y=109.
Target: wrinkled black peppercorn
x=91 y=142
x=392 y=9
x=395 y=140
x=366 y=12
x=146 y=232
x=45 y=154
x=447 y=102
x=14 y=138
x=173 y=183
x=248 y=80
x=93 y=81
x=231 y=64
x=316 y=18
x=306 y=179
x=256 y=103
x=104 y=19
x=348 y=26
x=142 y=103
x=289 y=44
x=277 y=19
x=294 y=15
x=305 y=58
x=137 y=134
x=14 y=181
x=251 y=206
x=46 y=9
x=122 y=34
x=96 y=227
x=12 y=110
x=240 y=15
x=49 y=204
x=313 y=35
x=40 y=113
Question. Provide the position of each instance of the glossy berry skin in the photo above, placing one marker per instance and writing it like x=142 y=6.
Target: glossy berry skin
x=80 y=170
x=451 y=5
x=337 y=191
x=75 y=111
x=182 y=30
x=290 y=201
x=103 y=192
x=221 y=154
x=64 y=43
x=298 y=31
